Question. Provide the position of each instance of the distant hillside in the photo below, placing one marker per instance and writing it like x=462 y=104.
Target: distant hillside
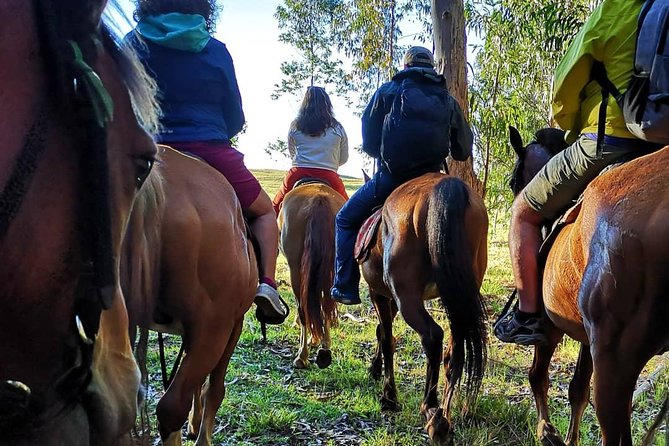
x=271 y=180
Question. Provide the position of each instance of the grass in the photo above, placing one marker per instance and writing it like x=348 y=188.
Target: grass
x=269 y=403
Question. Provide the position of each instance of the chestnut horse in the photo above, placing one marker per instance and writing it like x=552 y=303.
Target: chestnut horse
x=604 y=285
x=190 y=269
x=74 y=153
x=307 y=221
x=432 y=243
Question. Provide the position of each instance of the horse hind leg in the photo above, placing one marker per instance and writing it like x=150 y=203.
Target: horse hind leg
x=301 y=361
x=173 y=408
x=538 y=377
x=579 y=393
x=386 y=311
x=324 y=354
x=195 y=415
x=214 y=391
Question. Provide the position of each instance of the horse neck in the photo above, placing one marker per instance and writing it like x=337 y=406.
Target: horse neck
x=536 y=158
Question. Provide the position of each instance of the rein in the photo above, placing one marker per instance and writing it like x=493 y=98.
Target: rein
x=79 y=93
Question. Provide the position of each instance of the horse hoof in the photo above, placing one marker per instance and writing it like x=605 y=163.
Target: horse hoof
x=298 y=363
x=548 y=435
x=439 y=429
x=375 y=371
x=323 y=358
x=389 y=405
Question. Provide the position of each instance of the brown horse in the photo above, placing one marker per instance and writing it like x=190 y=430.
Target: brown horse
x=190 y=269
x=432 y=243
x=307 y=241
x=604 y=285
x=73 y=157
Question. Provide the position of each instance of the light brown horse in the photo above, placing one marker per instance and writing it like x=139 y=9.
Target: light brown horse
x=432 y=243
x=307 y=221
x=190 y=269
x=604 y=285
x=68 y=176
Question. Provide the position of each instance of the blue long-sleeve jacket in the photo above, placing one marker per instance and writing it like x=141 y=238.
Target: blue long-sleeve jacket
x=198 y=91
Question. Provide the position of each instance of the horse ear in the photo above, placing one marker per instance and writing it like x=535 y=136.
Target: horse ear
x=516 y=141
x=94 y=12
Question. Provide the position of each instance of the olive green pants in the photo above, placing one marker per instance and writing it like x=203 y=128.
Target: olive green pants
x=566 y=175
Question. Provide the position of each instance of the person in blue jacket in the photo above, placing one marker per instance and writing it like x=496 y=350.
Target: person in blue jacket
x=202 y=112
x=419 y=68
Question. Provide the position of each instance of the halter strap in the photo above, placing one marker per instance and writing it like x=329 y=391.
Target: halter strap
x=26 y=164
x=96 y=93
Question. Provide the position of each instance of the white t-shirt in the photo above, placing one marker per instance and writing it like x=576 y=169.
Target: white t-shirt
x=326 y=151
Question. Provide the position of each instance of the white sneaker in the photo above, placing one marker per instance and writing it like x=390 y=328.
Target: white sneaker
x=269 y=301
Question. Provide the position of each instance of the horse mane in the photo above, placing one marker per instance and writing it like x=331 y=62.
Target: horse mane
x=140 y=266
x=552 y=139
x=141 y=86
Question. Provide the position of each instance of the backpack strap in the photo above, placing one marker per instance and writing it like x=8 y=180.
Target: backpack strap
x=598 y=74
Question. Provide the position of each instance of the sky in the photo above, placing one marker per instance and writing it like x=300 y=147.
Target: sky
x=250 y=31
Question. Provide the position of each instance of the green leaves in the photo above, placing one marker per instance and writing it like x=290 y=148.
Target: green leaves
x=523 y=41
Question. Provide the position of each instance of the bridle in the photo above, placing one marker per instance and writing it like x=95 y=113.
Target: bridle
x=78 y=89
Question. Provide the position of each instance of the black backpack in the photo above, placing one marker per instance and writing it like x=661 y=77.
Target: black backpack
x=645 y=103
x=416 y=131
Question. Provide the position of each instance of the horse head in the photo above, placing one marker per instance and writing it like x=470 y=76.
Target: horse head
x=531 y=158
x=75 y=152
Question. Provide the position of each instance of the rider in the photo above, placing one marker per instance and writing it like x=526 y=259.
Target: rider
x=317 y=144
x=202 y=112
x=608 y=36
x=419 y=67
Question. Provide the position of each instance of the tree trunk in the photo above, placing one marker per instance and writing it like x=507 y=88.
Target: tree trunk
x=448 y=21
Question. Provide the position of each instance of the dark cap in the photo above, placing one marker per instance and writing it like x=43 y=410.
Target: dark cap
x=418 y=56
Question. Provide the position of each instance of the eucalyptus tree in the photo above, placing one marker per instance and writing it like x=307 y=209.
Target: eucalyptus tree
x=523 y=41
x=310 y=27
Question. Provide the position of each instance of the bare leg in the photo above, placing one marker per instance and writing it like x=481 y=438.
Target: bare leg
x=524 y=243
x=263 y=224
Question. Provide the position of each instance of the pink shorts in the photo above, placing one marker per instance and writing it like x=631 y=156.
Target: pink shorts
x=227 y=160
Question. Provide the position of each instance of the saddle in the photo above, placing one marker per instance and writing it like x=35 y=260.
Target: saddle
x=569 y=216
x=309 y=180
x=366 y=236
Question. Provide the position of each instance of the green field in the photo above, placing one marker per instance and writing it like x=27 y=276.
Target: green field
x=269 y=403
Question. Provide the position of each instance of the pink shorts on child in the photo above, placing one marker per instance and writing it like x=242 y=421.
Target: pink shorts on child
x=227 y=160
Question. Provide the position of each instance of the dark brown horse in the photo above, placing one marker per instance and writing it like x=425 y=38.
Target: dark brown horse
x=73 y=155
x=307 y=241
x=190 y=269
x=604 y=285
x=432 y=243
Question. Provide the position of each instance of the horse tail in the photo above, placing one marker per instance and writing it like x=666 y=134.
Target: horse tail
x=317 y=269
x=453 y=263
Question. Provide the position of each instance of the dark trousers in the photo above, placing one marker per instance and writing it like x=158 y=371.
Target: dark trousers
x=349 y=220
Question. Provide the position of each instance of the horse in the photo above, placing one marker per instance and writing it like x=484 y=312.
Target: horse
x=432 y=243
x=75 y=152
x=307 y=241
x=604 y=285
x=190 y=269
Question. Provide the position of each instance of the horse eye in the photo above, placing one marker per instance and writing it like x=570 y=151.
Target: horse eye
x=143 y=168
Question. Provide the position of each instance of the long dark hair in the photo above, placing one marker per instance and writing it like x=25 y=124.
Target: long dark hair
x=315 y=115
x=208 y=9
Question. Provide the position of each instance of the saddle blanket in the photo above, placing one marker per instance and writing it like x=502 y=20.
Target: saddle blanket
x=366 y=236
